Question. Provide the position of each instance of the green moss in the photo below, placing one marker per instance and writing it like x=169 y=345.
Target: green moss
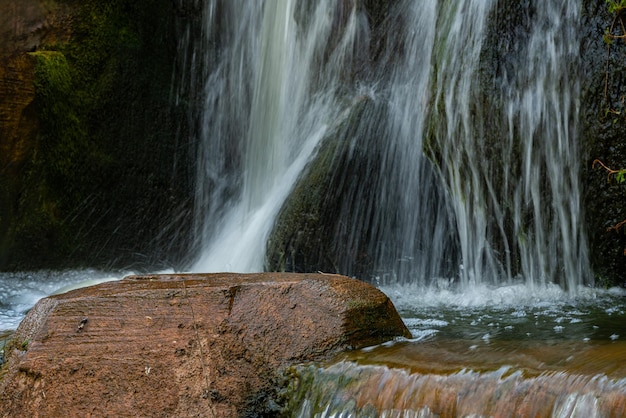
x=62 y=137
x=52 y=73
x=103 y=39
x=24 y=344
x=102 y=100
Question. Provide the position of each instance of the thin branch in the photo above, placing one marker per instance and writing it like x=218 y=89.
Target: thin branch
x=616 y=227
x=609 y=170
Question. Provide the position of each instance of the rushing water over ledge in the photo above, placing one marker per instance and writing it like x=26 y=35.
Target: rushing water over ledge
x=527 y=357
x=348 y=389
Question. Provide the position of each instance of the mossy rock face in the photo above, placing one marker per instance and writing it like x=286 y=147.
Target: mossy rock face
x=340 y=183
x=103 y=180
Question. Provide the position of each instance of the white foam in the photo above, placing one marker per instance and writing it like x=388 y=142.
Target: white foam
x=421 y=322
x=20 y=291
x=515 y=295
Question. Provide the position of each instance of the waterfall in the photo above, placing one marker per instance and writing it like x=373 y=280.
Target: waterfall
x=543 y=105
x=480 y=159
x=459 y=139
x=515 y=186
x=271 y=72
x=414 y=230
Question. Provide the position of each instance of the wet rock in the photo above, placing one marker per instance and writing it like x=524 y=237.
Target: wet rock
x=603 y=122
x=341 y=183
x=185 y=345
x=84 y=107
x=26 y=24
x=18 y=133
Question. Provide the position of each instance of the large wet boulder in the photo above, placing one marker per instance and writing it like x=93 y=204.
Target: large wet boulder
x=348 y=210
x=310 y=233
x=185 y=345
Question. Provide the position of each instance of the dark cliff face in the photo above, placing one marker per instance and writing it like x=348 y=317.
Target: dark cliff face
x=94 y=168
x=603 y=117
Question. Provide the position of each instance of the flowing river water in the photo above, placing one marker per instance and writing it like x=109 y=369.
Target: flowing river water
x=480 y=242
x=504 y=353
x=495 y=351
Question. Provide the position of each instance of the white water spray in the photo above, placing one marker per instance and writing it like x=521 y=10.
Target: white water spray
x=294 y=59
x=515 y=188
x=475 y=197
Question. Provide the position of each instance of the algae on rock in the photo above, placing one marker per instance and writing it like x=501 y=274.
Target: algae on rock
x=100 y=116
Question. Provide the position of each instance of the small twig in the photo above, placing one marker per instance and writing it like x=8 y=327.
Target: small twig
x=327 y=274
x=617 y=226
x=616 y=36
x=608 y=169
x=204 y=368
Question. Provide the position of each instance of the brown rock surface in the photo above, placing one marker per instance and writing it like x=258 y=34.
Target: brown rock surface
x=184 y=345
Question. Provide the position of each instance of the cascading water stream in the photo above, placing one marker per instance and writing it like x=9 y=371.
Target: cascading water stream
x=543 y=105
x=515 y=186
x=416 y=241
x=478 y=179
x=349 y=390
x=272 y=93
x=459 y=140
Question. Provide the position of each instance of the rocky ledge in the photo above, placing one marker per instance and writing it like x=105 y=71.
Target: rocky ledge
x=210 y=345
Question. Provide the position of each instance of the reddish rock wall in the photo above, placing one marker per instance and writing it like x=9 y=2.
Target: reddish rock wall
x=184 y=345
x=24 y=26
